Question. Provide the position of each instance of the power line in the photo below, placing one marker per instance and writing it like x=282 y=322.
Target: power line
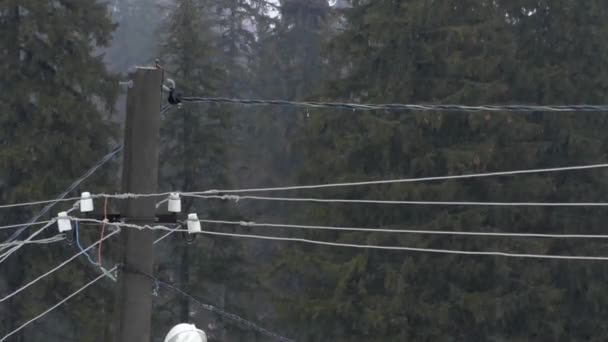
x=408 y=231
x=61 y=197
x=26 y=204
x=25 y=224
x=93 y=196
x=135 y=226
x=165 y=109
x=56 y=238
x=390 y=248
x=443 y=203
x=403 y=107
x=218 y=311
x=131 y=195
x=411 y=249
x=177 y=229
x=71 y=188
x=56 y=268
x=82 y=250
x=129 y=225
x=5 y=255
x=407 y=180
x=15 y=248
x=21 y=327
x=347 y=184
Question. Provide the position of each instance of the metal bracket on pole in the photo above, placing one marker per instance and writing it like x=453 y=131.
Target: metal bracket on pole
x=118 y=218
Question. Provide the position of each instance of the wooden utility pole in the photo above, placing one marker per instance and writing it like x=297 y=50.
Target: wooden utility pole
x=140 y=175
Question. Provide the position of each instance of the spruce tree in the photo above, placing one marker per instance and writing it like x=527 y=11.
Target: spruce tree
x=56 y=98
x=287 y=65
x=195 y=146
x=467 y=52
x=291 y=65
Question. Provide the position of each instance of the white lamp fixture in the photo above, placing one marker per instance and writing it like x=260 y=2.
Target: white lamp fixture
x=186 y=333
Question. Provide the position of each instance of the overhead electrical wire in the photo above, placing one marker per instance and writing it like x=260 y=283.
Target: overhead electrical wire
x=56 y=268
x=25 y=224
x=8 y=251
x=406 y=180
x=93 y=196
x=79 y=245
x=56 y=238
x=165 y=109
x=355 y=229
x=402 y=107
x=177 y=229
x=129 y=225
x=410 y=231
x=378 y=247
x=15 y=248
x=26 y=204
x=61 y=197
x=132 y=195
x=84 y=287
x=365 y=201
x=349 y=184
x=410 y=249
x=211 y=308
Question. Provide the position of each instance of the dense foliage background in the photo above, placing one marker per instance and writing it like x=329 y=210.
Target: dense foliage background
x=60 y=111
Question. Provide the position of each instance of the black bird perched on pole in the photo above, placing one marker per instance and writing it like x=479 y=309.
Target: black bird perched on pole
x=174 y=98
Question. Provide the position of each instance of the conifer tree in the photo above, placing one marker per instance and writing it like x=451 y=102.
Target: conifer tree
x=291 y=66
x=195 y=145
x=56 y=98
x=466 y=52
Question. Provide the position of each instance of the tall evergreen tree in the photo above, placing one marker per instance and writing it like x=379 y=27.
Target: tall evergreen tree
x=55 y=100
x=291 y=65
x=196 y=143
x=287 y=65
x=466 y=52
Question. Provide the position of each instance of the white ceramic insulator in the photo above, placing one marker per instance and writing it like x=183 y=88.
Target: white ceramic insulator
x=175 y=203
x=63 y=221
x=194 y=225
x=86 y=202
